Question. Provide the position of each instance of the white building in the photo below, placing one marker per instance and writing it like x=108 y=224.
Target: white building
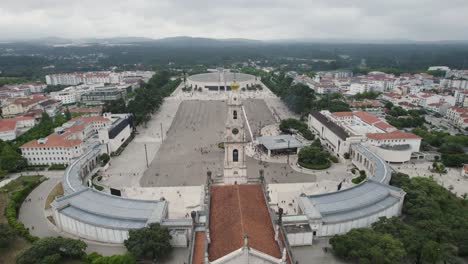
x=339 y=130
x=458 y=116
x=66 y=143
x=117 y=134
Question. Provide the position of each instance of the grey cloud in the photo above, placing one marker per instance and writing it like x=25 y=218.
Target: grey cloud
x=256 y=19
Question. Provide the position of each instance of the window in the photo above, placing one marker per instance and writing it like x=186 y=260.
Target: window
x=235 y=155
x=234 y=114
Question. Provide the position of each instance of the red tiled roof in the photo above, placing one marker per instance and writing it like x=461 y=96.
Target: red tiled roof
x=465 y=167
x=29 y=100
x=342 y=114
x=7 y=124
x=406 y=104
x=392 y=135
x=198 y=248
x=392 y=95
x=383 y=125
x=63 y=140
x=237 y=210
x=366 y=117
x=53 y=140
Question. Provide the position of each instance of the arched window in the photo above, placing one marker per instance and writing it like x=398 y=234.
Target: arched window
x=235 y=155
x=234 y=114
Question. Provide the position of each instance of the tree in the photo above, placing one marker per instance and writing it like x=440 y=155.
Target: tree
x=10 y=158
x=7 y=234
x=367 y=246
x=52 y=250
x=315 y=158
x=68 y=115
x=104 y=158
x=388 y=105
x=149 y=242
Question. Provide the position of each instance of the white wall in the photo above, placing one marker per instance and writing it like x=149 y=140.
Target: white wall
x=8 y=135
x=344 y=227
x=300 y=239
x=90 y=232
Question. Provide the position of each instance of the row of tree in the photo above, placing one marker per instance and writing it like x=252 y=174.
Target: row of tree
x=148 y=98
x=300 y=98
x=452 y=147
x=146 y=244
x=433 y=228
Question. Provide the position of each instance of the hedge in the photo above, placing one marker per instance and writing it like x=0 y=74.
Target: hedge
x=359 y=179
x=14 y=203
x=315 y=166
x=57 y=167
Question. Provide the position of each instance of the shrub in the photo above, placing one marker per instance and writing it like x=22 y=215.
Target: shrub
x=57 y=167
x=104 y=158
x=333 y=159
x=311 y=157
x=358 y=179
x=287 y=125
x=14 y=203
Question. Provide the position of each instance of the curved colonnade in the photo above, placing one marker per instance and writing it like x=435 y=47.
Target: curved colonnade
x=95 y=215
x=359 y=206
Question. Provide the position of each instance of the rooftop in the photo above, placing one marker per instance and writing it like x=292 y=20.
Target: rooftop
x=105 y=210
x=214 y=77
x=279 y=142
x=238 y=210
x=392 y=135
x=198 y=248
x=339 y=131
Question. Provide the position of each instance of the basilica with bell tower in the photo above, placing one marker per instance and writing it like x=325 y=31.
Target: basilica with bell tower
x=235 y=168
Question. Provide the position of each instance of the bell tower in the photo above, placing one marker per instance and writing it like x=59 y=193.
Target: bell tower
x=235 y=168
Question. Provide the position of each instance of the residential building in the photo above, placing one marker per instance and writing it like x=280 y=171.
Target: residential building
x=340 y=130
x=66 y=143
x=101 y=95
x=10 y=128
x=458 y=116
x=21 y=105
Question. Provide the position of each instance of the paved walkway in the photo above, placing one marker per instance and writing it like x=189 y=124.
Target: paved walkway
x=452 y=180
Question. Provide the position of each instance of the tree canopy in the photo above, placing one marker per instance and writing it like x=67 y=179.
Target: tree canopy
x=314 y=157
x=150 y=242
x=52 y=250
x=434 y=228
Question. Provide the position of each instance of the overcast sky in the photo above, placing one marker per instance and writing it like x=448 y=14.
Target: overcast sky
x=254 y=19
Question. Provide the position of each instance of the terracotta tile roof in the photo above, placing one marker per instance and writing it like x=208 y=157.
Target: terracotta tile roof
x=86 y=110
x=366 y=117
x=198 y=248
x=64 y=140
x=465 y=167
x=392 y=135
x=25 y=101
x=459 y=109
x=406 y=104
x=392 y=95
x=384 y=125
x=53 y=140
x=342 y=114
x=7 y=124
x=237 y=210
